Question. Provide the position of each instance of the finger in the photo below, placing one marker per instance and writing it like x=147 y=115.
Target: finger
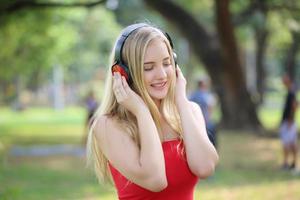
x=178 y=68
x=118 y=81
x=114 y=80
x=120 y=85
x=117 y=85
x=125 y=84
x=179 y=72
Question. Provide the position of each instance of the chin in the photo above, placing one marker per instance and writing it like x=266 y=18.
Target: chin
x=158 y=96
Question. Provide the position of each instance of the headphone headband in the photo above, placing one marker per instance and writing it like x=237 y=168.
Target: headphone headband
x=119 y=65
x=125 y=34
x=120 y=43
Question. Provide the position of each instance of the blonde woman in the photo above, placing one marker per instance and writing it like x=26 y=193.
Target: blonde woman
x=146 y=135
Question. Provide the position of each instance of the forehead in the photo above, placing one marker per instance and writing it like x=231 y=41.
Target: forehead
x=156 y=50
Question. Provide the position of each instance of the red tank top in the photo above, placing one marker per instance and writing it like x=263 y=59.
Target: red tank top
x=181 y=181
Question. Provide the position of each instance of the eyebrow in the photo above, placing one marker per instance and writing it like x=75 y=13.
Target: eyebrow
x=166 y=58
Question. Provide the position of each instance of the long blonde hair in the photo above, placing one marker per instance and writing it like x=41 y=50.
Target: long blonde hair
x=133 y=55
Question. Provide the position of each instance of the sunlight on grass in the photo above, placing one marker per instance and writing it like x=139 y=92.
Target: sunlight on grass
x=42 y=125
x=70 y=115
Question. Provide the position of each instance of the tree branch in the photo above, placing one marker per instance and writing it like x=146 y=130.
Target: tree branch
x=244 y=15
x=22 y=4
x=261 y=6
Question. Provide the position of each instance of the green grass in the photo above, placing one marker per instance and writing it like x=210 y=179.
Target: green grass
x=248 y=169
x=56 y=177
x=41 y=125
x=248 y=166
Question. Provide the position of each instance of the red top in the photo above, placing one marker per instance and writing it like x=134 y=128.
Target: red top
x=181 y=181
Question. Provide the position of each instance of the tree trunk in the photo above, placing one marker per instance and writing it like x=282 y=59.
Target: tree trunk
x=261 y=45
x=291 y=56
x=241 y=108
x=221 y=62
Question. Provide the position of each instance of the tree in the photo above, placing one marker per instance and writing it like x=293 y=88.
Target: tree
x=221 y=59
x=257 y=15
x=219 y=51
x=8 y=6
x=290 y=62
x=36 y=40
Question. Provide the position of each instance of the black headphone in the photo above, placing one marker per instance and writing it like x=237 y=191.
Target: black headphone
x=119 y=65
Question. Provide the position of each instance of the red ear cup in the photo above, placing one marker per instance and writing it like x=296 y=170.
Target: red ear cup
x=121 y=70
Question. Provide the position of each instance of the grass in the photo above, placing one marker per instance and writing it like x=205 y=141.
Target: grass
x=249 y=170
x=41 y=125
x=49 y=178
x=248 y=166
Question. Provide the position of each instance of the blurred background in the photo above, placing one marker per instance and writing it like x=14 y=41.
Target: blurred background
x=54 y=57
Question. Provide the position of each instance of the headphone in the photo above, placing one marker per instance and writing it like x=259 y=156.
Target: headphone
x=119 y=65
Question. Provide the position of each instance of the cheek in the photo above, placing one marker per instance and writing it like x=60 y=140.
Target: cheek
x=147 y=79
x=171 y=72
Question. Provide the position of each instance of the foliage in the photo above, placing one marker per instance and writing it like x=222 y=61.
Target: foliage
x=97 y=29
x=78 y=39
x=202 y=10
x=27 y=47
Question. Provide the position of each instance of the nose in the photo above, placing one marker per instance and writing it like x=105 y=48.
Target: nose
x=161 y=72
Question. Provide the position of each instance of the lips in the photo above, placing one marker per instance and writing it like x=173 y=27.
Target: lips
x=159 y=86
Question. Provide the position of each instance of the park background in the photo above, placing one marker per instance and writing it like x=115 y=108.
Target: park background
x=53 y=53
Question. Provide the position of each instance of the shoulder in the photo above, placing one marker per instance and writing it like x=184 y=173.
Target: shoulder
x=194 y=106
x=106 y=124
x=113 y=138
x=196 y=110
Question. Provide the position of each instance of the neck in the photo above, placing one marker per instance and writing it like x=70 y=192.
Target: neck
x=157 y=103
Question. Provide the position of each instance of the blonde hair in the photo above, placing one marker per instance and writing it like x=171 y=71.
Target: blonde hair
x=133 y=55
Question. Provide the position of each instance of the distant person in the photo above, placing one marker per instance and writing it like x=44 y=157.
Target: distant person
x=288 y=128
x=205 y=99
x=91 y=105
x=147 y=136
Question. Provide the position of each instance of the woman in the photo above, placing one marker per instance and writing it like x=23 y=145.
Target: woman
x=147 y=135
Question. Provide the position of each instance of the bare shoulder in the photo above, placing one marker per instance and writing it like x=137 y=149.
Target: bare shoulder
x=99 y=126
x=197 y=112
x=111 y=135
x=194 y=106
x=104 y=125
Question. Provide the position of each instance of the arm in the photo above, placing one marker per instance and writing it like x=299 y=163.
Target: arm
x=145 y=166
x=201 y=154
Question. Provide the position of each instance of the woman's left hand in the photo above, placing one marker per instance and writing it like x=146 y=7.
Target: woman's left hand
x=180 y=93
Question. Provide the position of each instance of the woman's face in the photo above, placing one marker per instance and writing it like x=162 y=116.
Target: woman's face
x=158 y=69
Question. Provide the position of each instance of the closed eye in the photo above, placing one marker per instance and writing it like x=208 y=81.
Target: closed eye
x=148 y=68
x=167 y=64
x=166 y=61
